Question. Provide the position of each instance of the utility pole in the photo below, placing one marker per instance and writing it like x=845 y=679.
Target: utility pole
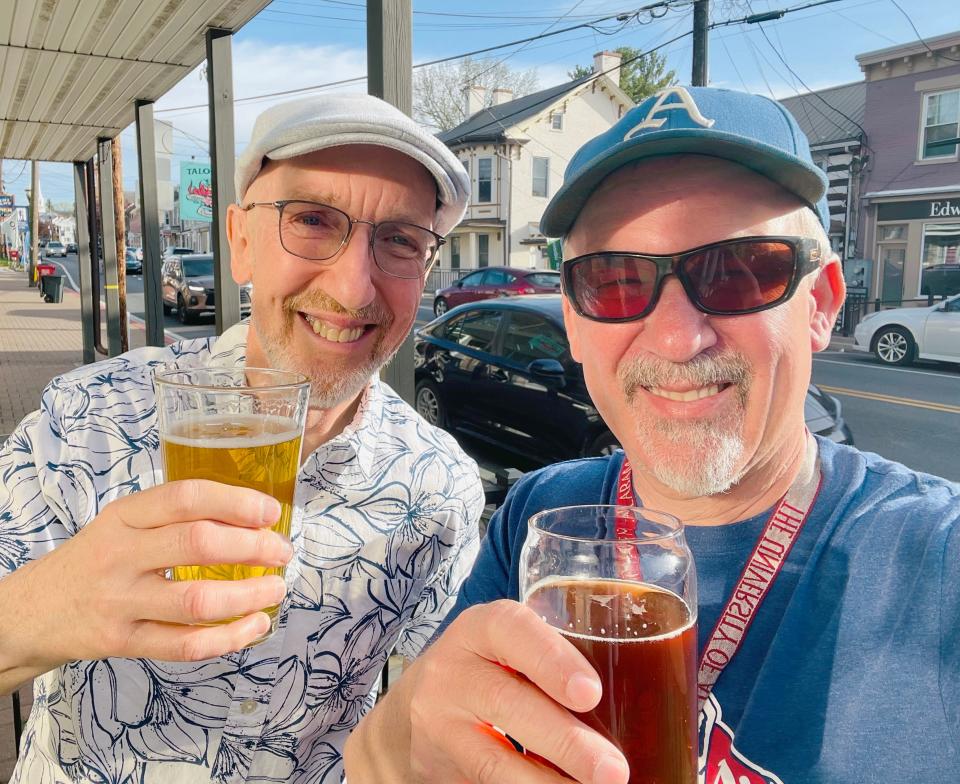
x=119 y=220
x=701 y=26
x=34 y=219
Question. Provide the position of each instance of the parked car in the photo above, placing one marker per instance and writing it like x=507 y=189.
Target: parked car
x=942 y=280
x=71 y=247
x=901 y=335
x=133 y=265
x=492 y=282
x=187 y=285
x=55 y=248
x=501 y=370
x=175 y=250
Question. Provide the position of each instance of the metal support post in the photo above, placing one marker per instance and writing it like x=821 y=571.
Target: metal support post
x=149 y=223
x=701 y=29
x=390 y=76
x=89 y=296
x=34 y=220
x=107 y=223
x=220 y=91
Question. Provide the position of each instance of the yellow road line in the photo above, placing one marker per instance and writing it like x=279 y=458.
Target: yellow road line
x=899 y=401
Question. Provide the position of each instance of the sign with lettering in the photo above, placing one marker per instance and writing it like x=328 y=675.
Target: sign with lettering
x=6 y=205
x=919 y=210
x=196 y=191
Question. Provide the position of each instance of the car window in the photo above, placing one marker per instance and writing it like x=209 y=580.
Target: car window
x=473 y=279
x=475 y=329
x=495 y=277
x=531 y=337
x=953 y=306
x=545 y=279
x=197 y=268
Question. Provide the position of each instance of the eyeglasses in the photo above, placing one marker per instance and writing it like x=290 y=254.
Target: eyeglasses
x=729 y=278
x=317 y=232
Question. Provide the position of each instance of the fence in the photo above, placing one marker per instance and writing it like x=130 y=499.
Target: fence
x=857 y=306
x=441 y=277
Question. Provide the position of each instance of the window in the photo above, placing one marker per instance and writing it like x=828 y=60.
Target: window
x=556 y=121
x=529 y=337
x=897 y=232
x=497 y=277
x=473 y=279
x=941 y=121
x=483 y=250
x=476 y=329
x=940 y=261
x=545 y=279
x=541 y=170
x=455 y=253
x=485 y=180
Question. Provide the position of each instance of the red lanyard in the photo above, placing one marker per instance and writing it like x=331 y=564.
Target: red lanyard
x=762 y=568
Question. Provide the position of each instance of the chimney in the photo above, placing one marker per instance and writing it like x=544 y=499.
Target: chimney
x=475 y=98
x=502 y=95
x=604 y=62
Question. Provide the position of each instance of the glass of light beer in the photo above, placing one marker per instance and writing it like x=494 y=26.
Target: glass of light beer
x=238 y=426
x=619 y=583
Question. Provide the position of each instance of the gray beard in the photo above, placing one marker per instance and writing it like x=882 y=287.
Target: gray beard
x=701 y=457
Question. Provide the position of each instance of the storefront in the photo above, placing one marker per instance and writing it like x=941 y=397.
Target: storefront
x=915 y=243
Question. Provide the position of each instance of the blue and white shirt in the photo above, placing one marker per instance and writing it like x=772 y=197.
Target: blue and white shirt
x=384 y=532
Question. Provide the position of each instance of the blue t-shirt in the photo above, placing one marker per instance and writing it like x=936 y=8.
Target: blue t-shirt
x=850 y=671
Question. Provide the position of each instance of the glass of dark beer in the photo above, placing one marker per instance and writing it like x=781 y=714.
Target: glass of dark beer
x=619 y=584
x=241 y=427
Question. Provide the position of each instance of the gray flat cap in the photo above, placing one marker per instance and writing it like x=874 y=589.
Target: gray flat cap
x=298 y=127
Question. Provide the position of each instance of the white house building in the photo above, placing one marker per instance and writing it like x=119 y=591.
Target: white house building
x=515 y=152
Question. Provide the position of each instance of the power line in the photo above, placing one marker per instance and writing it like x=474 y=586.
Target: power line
x=460 y=56
x=920 y=37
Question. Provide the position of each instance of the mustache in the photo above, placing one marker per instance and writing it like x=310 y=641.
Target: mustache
x=701 y=371
x=374 y=313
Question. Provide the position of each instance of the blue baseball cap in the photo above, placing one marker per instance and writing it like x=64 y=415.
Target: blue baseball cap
x=751 y=130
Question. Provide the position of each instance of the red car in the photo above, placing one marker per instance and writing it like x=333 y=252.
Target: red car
x=491 y=282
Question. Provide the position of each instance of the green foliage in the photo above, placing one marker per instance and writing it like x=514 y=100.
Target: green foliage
x=641 y=74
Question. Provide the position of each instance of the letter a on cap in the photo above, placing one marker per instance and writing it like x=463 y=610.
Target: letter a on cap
x=685 y=102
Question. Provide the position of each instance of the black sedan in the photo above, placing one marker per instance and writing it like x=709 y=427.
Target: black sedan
x=501 y=371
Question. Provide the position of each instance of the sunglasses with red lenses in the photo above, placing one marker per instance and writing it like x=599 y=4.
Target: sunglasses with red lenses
x=729 y=278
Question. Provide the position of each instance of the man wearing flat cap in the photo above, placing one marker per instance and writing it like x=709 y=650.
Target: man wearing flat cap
x=343 y=203
x=698 y=280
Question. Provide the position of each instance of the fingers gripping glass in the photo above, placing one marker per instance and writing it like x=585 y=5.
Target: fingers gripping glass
x=317 y=232
x=728 y=278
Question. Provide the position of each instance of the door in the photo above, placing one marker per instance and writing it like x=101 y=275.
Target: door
x=461 y=364
x=891 y=265
x=468 y=290
x=496 y=283
x=941 y=333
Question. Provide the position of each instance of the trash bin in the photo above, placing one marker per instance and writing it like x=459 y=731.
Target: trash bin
x=51 y=287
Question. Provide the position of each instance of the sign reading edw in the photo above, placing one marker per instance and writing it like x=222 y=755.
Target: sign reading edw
x=945 y=209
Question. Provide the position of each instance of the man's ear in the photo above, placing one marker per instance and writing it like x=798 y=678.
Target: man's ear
x=572 y=322
x=241 y=257
x=827 y=295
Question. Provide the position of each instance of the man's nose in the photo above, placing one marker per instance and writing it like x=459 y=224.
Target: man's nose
x=676 y=330
x=348 y=277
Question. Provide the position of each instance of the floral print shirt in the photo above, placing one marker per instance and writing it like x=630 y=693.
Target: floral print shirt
x=385 y=530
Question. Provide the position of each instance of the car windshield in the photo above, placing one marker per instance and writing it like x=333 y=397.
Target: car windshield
x=547 y=279
x=197 y=268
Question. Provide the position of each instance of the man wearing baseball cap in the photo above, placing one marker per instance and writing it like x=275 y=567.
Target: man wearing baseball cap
x=342 y=205
x=698 y=281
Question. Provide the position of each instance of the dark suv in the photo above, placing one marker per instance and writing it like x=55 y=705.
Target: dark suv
x=940 y=280
x=187 y=283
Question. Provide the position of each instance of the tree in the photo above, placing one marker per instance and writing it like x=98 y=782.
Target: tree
x=438 y=98
x=642 y=74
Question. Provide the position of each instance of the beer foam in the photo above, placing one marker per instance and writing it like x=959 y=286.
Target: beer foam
x=618 y=640
x=261 y=430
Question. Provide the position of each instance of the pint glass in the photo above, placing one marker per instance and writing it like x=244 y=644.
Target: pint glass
x=241 y=427
x=619 y=583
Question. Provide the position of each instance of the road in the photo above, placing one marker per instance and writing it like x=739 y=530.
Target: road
x=911 y=415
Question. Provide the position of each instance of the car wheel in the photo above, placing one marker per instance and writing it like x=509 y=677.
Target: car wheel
x=440 y=306
x=601 y=446
x=894 y=346
x=184 y=316
x=429 y=405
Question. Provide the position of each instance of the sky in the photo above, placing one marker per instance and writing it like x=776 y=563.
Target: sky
x=295 y=44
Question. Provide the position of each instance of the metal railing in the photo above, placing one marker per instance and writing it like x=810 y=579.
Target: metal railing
x=441 y=277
